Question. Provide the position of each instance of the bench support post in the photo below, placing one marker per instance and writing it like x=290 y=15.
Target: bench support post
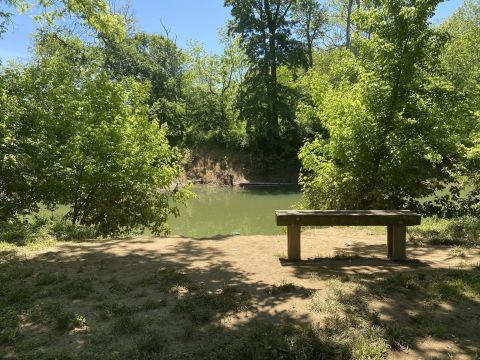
x=293 y=235
x=399 y=239
x=389 y=241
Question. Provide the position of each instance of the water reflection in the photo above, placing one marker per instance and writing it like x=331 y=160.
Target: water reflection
x=225 y=211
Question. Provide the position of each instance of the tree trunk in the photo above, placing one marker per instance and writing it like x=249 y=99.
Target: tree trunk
x=348 y=39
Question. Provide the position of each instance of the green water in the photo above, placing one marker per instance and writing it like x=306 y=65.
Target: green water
x=224 y=211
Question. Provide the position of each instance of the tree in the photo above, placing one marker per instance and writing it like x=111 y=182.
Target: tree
x=265 y=27
x=461 y=63
x=72 y=136
x=310 y=19
x=157 y=60
x=214 y=81
x=395 y=125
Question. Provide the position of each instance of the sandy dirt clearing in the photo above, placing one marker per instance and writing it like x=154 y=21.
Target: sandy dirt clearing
x=255 y=263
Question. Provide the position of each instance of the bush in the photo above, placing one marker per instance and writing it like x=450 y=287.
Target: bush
x=459 y=231
x=70 y=135
x=42 y=230
x=63 y=230
x=25 y=232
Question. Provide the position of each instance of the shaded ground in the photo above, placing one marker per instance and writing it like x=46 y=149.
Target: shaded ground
x=235 y=297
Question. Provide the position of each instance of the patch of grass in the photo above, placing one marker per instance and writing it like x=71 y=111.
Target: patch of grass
x=62 y=318
x=152 y=304
x=464 y=231
x=19 y=295
x=355 y=327
x=345 y=255
x=349 y=322
x=78 y=288
x=47 y=278
x=24 y=232
x=9 y=326
x=112 y=309
x=454 y=285
x=283 y=287
x=188 y=330
x=119 y=287
x=151 y=345
x=283 y=340
x=457 y=251
x=203 y=305
x=167 y=280
x=126 y=324
x=67 y=320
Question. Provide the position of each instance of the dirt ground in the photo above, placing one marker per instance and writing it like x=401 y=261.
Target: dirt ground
x=256 y=263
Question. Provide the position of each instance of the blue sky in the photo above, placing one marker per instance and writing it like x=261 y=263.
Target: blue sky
x=187 y=20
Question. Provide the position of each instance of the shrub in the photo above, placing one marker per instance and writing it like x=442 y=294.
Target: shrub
x=458 y=231
x=63 y=230
x=25 y=232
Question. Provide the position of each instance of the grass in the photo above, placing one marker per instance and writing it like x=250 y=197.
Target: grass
x=46 y=305
x=153 y=304
x=109 y=310
x=150 y=345
x=462 y=232
x=126 y=324
x=202 y=305
x=354 y=324
x=284 y=287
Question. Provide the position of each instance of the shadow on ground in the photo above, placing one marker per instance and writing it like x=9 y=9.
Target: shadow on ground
x=125 y=299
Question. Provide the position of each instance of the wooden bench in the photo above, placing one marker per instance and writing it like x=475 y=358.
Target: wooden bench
x=396 y=222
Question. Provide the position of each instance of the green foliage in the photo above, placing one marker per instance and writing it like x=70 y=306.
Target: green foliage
x=25 y=232
x=460 y=61
x=310 y=19
x=72 y=136
x=463 y=231
x=394 y=123
x=212 y=84
x=90 y=14
x=65 y=230
x=266 y=32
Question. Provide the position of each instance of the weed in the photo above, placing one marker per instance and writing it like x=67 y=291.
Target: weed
x=152 y=343
x=345 y=255
x=9 y=326
x=278 y=341
x=457 y=251
x=19 y=295
x=126 y=325
x=119 y=287
x=109 y=310
x=46 y=278
x=203 y=305
x=152 y=304
x=78 y=288
x=284 y=287
x=188 y=330
x=464 y=231
x=64 y=319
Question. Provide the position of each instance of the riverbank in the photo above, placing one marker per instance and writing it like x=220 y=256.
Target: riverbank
x=234 y=297
x=216 y=166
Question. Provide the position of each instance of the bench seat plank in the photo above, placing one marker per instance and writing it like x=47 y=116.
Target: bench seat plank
x=346 y=217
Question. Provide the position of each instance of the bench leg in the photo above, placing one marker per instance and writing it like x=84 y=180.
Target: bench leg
x=389 y=241
x=293 y=236
x=399 y=242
